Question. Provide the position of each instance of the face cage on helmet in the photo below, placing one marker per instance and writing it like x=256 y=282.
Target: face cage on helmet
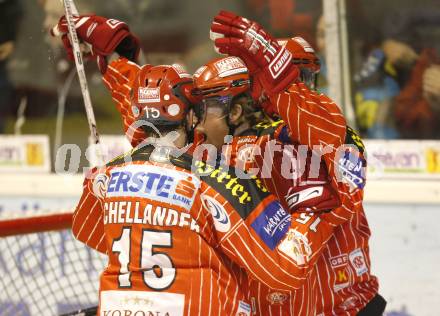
x=309 y=78
x=221 y=102
x=215 y=100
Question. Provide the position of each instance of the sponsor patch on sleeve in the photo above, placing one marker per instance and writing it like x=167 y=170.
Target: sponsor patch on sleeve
x=218 y=212
x=351 y=168
x=100 y=184
x=272 y=224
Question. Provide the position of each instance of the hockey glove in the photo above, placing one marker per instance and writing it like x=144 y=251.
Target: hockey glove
x=269 y=63
x=103 y=35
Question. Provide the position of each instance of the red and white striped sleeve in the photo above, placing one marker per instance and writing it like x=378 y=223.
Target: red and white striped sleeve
x=88 y=221
x=119 y=79
x=315 y=120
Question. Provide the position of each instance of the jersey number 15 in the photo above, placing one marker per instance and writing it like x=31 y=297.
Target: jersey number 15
x=150 y=259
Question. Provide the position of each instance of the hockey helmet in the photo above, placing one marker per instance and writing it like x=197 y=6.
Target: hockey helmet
x=218 y=82
x=303 y=55
x=159 y=94
x=226 y=76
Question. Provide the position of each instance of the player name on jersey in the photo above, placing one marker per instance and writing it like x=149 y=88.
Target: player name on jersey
x=126 y=212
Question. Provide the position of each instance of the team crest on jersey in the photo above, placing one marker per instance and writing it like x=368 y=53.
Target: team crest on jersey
x=246 y=153
x=357 y=261
x=277 y=298
x=339 y=265
x=218 y=212
x=296 y=246
x=100 y=184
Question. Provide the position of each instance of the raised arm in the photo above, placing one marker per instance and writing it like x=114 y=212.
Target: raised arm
x=88 y=221
x=105 y=37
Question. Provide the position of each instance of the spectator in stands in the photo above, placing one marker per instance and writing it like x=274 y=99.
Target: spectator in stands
x=397 y=82
x=412 y=48
x=10 y=14
x=372 y=86
x=374 y=89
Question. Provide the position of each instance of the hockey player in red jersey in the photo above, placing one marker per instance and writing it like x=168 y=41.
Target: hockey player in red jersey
x=344 y=284
x=221 y=218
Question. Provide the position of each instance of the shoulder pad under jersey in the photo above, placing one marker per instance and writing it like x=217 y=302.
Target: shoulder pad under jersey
x=244 y=194
x=120 y=159
x=353 y=138
x=267 y=128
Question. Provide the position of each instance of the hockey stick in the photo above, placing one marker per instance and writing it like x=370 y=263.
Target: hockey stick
x=91 y=311
x=70 y=10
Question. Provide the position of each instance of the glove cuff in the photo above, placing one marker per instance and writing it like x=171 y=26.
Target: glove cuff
x=129 y=48
x=289 y=75
x=111 y=45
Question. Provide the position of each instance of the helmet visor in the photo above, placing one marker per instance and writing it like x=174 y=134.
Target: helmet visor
x=211 y=104
x=309 y=78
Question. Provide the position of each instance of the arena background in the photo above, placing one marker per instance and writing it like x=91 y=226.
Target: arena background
x=360 y=44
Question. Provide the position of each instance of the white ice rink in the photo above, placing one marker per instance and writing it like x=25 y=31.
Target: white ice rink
x=405 y=252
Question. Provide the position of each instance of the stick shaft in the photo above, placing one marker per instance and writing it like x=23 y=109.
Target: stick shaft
x=70 y=10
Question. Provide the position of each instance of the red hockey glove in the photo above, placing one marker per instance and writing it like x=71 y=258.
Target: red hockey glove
x=105 y=36
x=269 y=63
